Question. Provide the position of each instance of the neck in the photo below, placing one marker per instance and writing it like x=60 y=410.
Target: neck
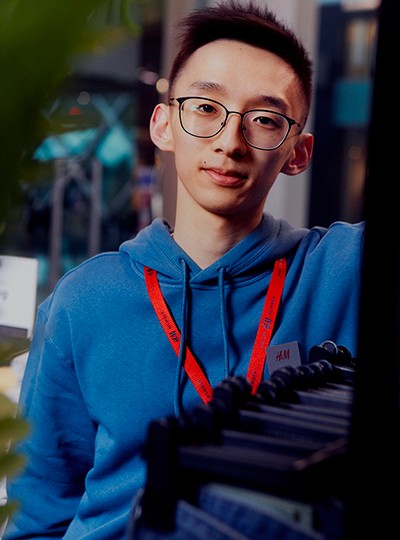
x=207 y=238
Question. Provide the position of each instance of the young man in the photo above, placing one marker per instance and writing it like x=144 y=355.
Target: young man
x=148 y=331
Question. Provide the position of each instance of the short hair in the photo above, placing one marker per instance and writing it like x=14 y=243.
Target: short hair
x=246 y=22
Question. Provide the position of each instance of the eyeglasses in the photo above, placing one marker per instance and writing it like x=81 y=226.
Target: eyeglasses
x=261 y=129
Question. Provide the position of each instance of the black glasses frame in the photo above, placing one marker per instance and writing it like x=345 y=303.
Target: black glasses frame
x=290 y=121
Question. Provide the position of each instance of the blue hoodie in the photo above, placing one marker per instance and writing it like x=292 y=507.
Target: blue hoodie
x=101 y=367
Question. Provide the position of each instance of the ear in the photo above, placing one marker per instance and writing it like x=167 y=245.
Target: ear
x=160 y=128
x=300 y=155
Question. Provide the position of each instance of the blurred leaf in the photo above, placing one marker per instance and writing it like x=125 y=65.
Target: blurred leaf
x=12 y=429
x=11 y=464
x=7 y=407
x=12 y=347
x=7 y=510
x=38 y=40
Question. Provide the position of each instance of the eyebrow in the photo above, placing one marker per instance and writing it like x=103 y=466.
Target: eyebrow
x=266 y=99
x=208 y=85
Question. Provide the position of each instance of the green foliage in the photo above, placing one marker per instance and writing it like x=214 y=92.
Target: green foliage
x=39 y=40
x=12 y=430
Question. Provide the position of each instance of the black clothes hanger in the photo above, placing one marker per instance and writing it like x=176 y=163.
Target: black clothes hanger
x=271 y=442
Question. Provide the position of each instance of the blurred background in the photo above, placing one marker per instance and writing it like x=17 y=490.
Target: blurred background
x=91 y=178
x=78 y=172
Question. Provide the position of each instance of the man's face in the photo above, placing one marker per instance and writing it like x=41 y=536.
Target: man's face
x=224 y=174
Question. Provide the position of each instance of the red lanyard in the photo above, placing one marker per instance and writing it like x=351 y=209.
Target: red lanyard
x=263 y=337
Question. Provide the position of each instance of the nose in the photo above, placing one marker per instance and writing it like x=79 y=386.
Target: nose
x=230 y=139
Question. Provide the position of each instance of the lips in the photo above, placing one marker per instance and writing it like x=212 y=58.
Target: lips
x=226 y=177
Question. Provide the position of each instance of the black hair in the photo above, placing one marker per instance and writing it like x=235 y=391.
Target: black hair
x=247 y=22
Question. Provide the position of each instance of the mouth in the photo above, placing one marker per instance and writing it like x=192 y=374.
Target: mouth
x=226 y=177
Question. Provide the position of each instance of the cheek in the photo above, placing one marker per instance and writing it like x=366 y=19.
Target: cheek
x=187 y=151
x=270 y=164
x=184 y=168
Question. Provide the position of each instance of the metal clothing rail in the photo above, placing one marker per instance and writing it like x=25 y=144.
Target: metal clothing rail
x=89 y=176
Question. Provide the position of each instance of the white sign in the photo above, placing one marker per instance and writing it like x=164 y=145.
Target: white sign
x=18 y=287
x=284 y=355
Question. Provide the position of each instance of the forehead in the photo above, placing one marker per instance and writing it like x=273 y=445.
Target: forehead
x=240 y=73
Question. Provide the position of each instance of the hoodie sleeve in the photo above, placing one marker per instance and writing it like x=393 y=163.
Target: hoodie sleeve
x=57 y=465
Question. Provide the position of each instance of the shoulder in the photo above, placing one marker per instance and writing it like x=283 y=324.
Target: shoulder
x=332 y=251
x=98 y=268
x=340 y=229
x=91 y=280
x=338 y=236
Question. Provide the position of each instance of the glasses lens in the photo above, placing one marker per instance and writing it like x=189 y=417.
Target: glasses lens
x=202 y=117
x=265 y=129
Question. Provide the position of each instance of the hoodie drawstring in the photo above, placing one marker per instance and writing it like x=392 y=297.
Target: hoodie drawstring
x=183 y=325
x=182 y=348
x=222 y=312
x=178 y=339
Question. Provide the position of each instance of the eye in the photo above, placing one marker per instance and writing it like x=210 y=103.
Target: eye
x=266 y=119
x=205 y=108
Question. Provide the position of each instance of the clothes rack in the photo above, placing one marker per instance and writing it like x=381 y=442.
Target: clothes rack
x=276 y=442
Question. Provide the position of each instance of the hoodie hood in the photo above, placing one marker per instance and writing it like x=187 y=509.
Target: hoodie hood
x=255 y=255
x=154 y=247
